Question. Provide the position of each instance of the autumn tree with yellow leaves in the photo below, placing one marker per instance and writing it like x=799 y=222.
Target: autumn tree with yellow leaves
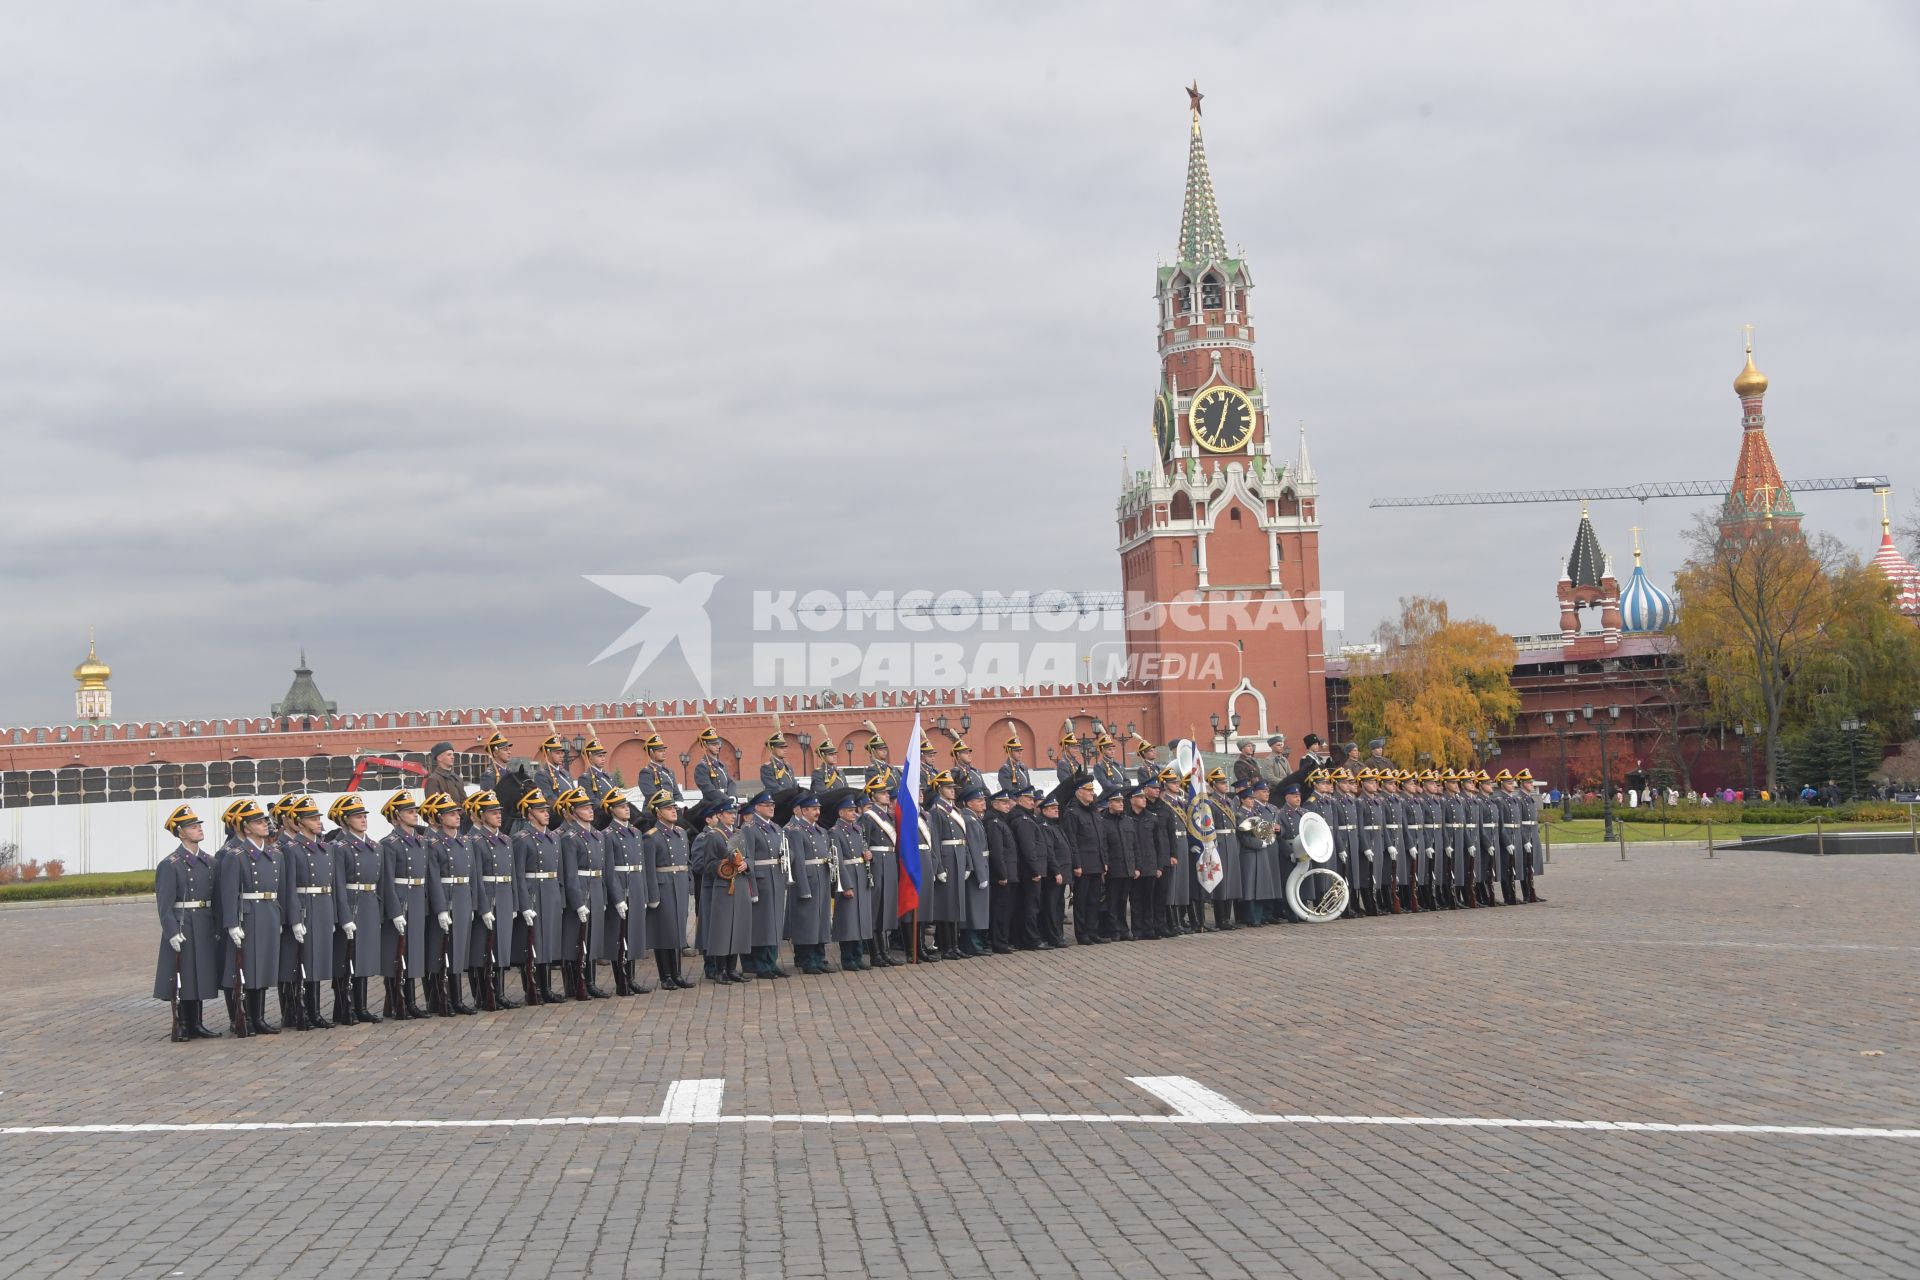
x=1434 y=682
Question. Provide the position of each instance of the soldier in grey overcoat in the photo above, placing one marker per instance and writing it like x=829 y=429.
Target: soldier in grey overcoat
x=962 y=772
x=410 y=891
x=450 y=946
x=942 y=891
x=1488 y=870
x=827 y=775
x=583 y=871
x=810 y=903
x=631 y=890
x=357 y=954
x=1533 y=854
x=1226 y=838
x=1393 y=872
x=1373 y=845
x=853 y=907
x=882 y=839
x=309 y=893
x=550 y=774
x=770 y=868
x=720 y=856
x=667 y=854
x=710 y=772
x=1014 y=776
x=776 y=775
x=596 y=781
x=248 y=878
x=1510 y=812
x=183 y=889
x=499 y=894
x=655 y=776
x=536 y=856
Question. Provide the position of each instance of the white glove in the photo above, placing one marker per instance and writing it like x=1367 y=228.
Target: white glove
x=400 y=925
x=349 y=928
x=621 y=907
x=299 y=932
x=176 y=940
x=583 y=912
x=238 y=935
x=941 y=877
x=1509 y=851
x=446 y=922
x=652 y=905
x=528 y=915
x=1392 y=852
x=486 y=918
x=1528 y=846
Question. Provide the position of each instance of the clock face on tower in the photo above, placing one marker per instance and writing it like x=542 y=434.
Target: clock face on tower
x=1221 y=419
x=1163 y=420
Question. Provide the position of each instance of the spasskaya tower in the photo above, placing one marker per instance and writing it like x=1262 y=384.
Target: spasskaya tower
x=1219 y=538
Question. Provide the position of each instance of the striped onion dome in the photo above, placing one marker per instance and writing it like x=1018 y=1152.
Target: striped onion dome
x=1643 y=607
x=1899 y=571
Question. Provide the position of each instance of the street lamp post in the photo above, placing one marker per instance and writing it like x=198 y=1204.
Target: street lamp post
x=1214 y=720
x=1851 y=727
x=805 y=740
x=1604 y=726
x=1560 y=724
x=686 y=775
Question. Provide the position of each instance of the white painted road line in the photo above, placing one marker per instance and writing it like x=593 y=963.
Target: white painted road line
x=1637 y=942
x=693 y=1103
x=1191 y=1100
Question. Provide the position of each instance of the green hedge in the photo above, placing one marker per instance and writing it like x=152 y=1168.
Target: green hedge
x=1747 y=814
x=106 y=884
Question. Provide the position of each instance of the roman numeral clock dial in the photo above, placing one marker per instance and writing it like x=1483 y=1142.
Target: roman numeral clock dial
x=1221 y=419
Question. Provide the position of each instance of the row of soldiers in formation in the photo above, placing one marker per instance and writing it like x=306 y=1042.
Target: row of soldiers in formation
x=449 y=901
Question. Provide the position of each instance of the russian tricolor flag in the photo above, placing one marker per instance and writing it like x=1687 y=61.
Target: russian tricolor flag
x=907 y=803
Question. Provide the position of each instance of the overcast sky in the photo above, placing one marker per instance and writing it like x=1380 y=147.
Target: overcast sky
x=370 y=328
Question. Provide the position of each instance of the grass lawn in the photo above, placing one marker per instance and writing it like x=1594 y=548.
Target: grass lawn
x=1643 y=826
x=104 y=884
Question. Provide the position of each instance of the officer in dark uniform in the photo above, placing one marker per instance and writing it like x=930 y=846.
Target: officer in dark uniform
x=654 y=776
x=499 y=896
x=776 y=775
x=1450 y=868
x=1081 y=826
x=1399 y=839
x=1488 y=869
x=1346 y=833
x=247 y=876
x=550 y=774
x=1030 y=867
x=1173 y=891
x=1059 y=869
x=1014 y=775
x=183 y=889
x=1120 y=849
x=710 y=771
x=1003 y=868
x=826 y=774
x=597 y=782
x=1246 y=766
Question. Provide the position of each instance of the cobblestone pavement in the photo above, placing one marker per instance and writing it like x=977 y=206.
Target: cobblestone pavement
x=1750 y=989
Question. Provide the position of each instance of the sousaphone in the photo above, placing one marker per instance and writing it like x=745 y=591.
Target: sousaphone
x=1315 y=891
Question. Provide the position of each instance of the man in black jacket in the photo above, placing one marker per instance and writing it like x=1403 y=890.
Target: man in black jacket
x=1003 y=872
x=1082 y=827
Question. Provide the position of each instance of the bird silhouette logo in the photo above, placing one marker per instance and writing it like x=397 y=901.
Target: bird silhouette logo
x=674 y=610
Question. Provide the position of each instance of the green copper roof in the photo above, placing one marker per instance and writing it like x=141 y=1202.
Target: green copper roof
x=1201 y=239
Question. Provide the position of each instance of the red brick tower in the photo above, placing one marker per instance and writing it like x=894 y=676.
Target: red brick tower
x=1219 y=539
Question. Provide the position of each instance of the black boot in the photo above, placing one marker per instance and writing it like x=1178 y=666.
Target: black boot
x=453 y=993
x=342 y=1003
x=180 y=1023
x=1530 y=894
x=314 y=1016
x=547 y=993
x=501 y=1000
x=360 y=1011
x=292 y=1016
x=236 y=1012
x=529 y=989
x=410 y=998
x=622 y=980
x=593 y=988
x=257 y=1024
x=197 y=1021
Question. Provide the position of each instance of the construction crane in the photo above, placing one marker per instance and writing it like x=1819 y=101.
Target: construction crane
x=1077 y=603
x=1657 y=489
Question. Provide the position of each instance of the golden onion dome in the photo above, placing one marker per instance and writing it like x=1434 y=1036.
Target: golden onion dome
x=92 y=673
x=1750 y=381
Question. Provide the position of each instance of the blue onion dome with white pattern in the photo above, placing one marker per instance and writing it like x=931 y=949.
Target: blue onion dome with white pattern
x=1644 y=607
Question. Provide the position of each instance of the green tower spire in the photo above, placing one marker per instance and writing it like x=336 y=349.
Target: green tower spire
x=1201 y=239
